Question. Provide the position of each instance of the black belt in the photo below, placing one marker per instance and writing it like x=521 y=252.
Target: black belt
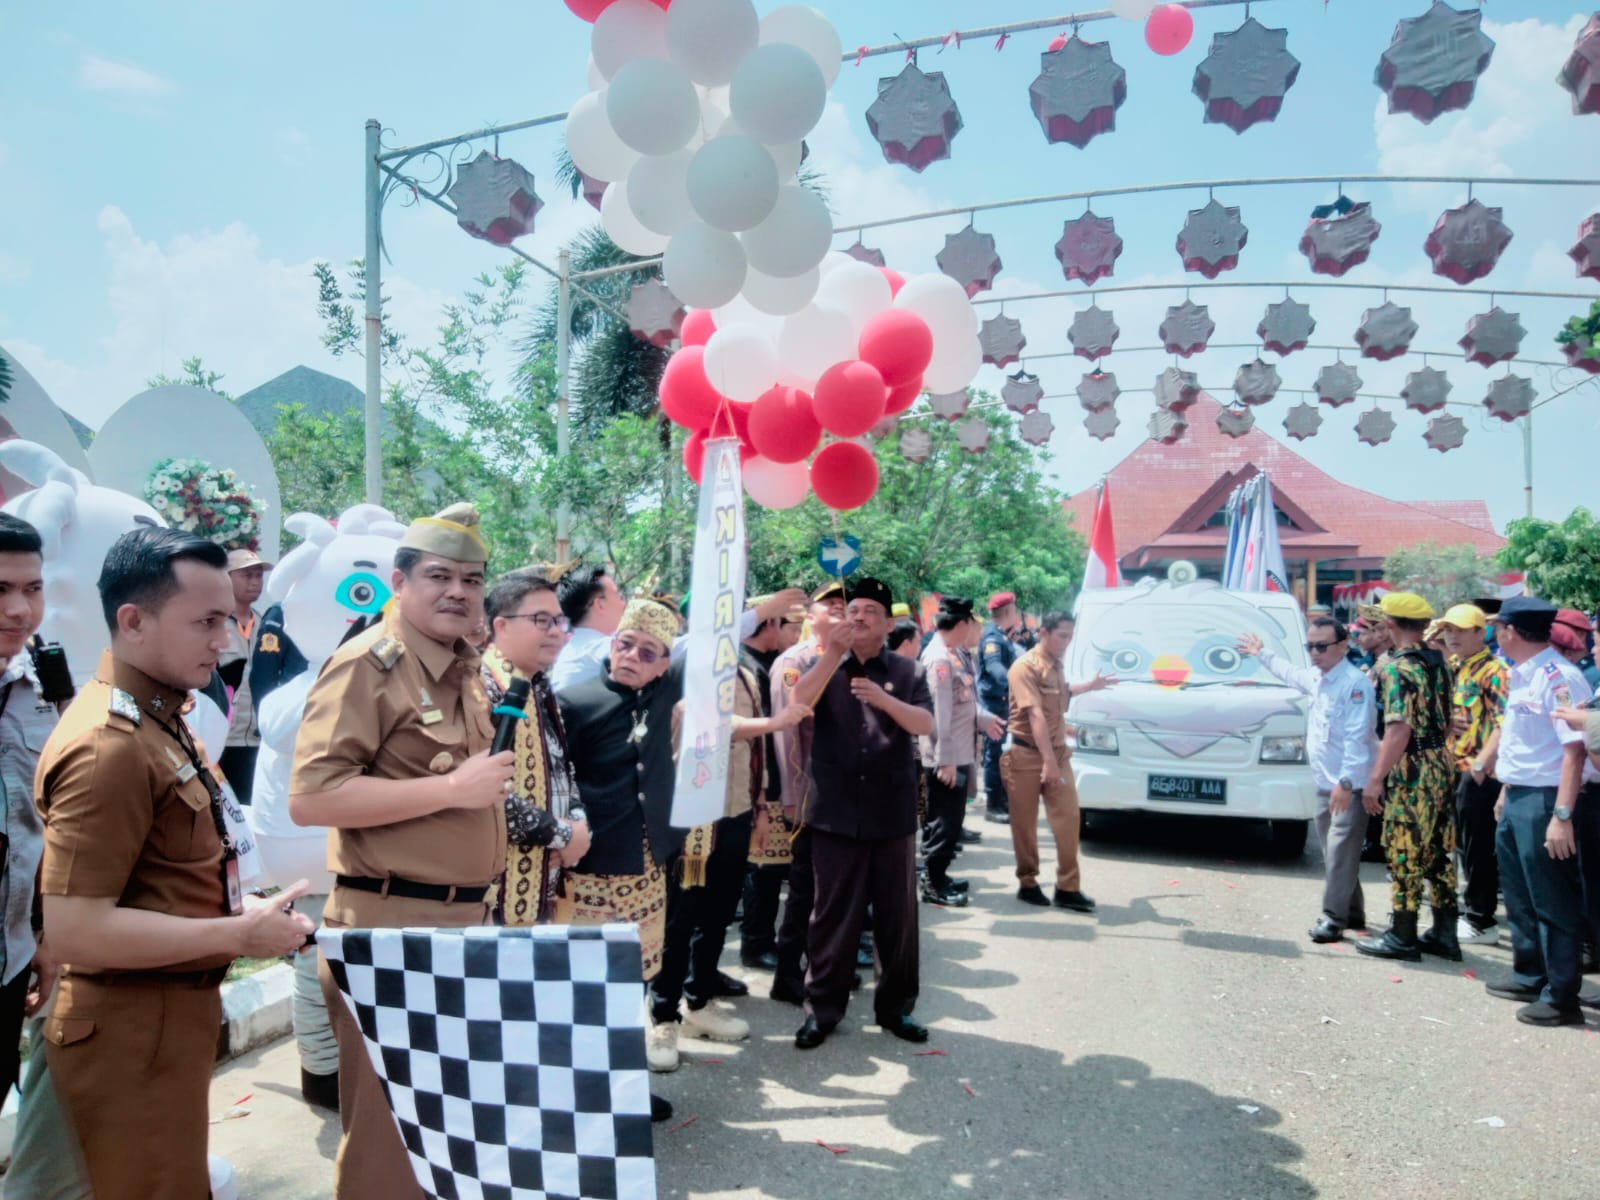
x=192 y=979
x=1429 y=743
x=410 y=889
x=1016 y=741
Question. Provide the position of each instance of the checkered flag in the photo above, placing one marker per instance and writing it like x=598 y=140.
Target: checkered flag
x=513 y=1059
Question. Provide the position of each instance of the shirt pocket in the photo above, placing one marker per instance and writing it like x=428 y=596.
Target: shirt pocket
x=184 y=830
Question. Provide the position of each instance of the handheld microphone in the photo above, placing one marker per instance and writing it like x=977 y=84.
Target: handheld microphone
x=509 y=711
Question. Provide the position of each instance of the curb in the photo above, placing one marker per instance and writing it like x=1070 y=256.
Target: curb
x=256 y=1010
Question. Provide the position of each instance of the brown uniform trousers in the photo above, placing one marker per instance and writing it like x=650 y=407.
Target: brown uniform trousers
x=1020 y=768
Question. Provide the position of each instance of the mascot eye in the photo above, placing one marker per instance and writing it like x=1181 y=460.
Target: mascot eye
x=362 y=593
x=1222 y=660
x=1126 y=660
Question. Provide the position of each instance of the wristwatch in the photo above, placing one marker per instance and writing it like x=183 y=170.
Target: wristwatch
x=1479 y=765
x=1347 y=785
x=1563 y=813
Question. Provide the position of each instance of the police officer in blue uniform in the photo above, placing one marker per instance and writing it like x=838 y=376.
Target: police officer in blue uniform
x=996 y=653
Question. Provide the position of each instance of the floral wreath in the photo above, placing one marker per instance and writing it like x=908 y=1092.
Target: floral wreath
x=213 y=502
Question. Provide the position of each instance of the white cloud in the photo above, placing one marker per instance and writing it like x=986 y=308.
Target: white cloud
x=97 y=74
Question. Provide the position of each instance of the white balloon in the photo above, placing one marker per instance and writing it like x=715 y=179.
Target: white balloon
x=788 y=156
x=778 y=93
x=594 y=146
x=658 y=191
x=954 y=364
x=803 y=26
x=942 y=303
x=813 y=340
x=775 y=485
x=626 y=30
x=794 y=237
x=1133 y=10
x=733 y=182
x=739 y=311
x=652 y=106
x=741 y=362
x=708 y=38
x=779 y=296
x=704 y=267
x=596 y=80
x=857 y=289
x=714 y=117
x=623 y=227
x=833 y=260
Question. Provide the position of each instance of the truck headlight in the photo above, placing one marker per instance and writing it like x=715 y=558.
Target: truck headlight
x=1283 y=750
x=1097 y=739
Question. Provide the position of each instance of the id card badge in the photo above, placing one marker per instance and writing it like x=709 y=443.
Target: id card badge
x=230 y=883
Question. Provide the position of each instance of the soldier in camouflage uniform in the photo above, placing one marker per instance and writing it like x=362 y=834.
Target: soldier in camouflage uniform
x=1416 y=776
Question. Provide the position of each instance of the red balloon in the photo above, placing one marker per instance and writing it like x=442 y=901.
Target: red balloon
x=783 y=426
x=698 y=326
x=1059 y=42
x=844 y=475
x=902 y=397
x=733 y=421
x=1168 y=29
x=694 y=454
x=896 y=280
x=898 y=343
x=849 y=398
x=686 y=395
x=589 y=10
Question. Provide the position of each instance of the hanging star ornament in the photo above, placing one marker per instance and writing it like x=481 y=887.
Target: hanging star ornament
x=1493 y=337
x=494 y=199
x=969 y=258
x=1445 y=433
x=1510 y=397
x=1586 y=250
x=1078 y=92
x=1374 y=427
x=1022 y=392
x=887 y=425
x=952 y=406
x=1245 y=77
x=1176 y=389
x=1256 y=382
x=594 y=190
x=1211 y=239
x=1098 y=390
x=1186 y=329
x=1433 y=63
x=1093 y=332
x=1167 y=427
x=1088 y=248
x=866 y=254
x=1337 y=383
x=1302 y=421
x=1102 y=423
x=1577 y=355
x=1339 y=238
x=1000 y=338
x=916 y=444
x=1426 y=390
x=914 y=119
x=1467 y=242
x=973 y=435
x=654 y=313
x=1287 y=327
x=1581 y=73
x=1236 y=422
x=1036 y=427
x=1385 y=332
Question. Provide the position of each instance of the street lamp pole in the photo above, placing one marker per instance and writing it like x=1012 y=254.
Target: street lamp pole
x=374 y=319
x=563 y=371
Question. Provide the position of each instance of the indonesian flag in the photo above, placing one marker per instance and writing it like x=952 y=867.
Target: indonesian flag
x=1101 y=570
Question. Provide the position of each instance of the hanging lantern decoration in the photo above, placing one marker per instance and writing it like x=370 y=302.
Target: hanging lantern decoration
x=1374 y=427
x=1432 y=65
x=970 y=259
x=887 y=425
x=1000 y=338
x=1385 y=332
x=1493 y=337
x=1211 y=239
x=1426 y=390
x=1339 y=236
x=1093 y=332
x=1167 y=427
x=866 y=254
x=916 y=444
x=1510 y=397
x=973 y=435
x=1176 y=390
x=1236 y=422
x=1302 y=421
x=1287 y=327
x=494 y=199
x=1578 y=356
x=1337 y=384
x=1098 y=390
x=1036 y=427
x=594 y=190
x=1088 y=248
x=1102 y=423
x=1445 y=433
x=1581 y=73
x=1187 y=329
x=1256 y=382
x=654 y=313
x=1586 y=251
x=1078 y=92
x=1245 y=77
x=1467 y=242
x=952 y=406
x=1022 y=392
x=914 y=119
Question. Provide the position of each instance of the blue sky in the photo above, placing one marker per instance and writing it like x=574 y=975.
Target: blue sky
x=171 y=170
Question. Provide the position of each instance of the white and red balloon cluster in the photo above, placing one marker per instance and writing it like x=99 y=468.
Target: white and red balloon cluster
x=868 y=345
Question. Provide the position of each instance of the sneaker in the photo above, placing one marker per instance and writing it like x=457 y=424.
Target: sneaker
x=661 y=1047
x=1540 y=1013
x=1469 y=934
x=1510 y=989
x=714 y=1025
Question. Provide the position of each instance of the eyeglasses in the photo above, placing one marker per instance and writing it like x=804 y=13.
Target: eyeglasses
x=1316 y=647
x=643 y=653
x=545 y=621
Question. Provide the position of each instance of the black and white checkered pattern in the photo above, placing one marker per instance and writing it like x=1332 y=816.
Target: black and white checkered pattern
x=513 y=1058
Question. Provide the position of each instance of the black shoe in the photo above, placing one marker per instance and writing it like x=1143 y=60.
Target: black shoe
x=1033 y=894
x=942 y=894
x=904 y=1028
x=997 y=818
x=1074 y=901
x=1540 y=1013
x=787 y=991
x=1398 y=942
x=1326 y=930
x=767 y=960
x=1442 y=940
x=811 y=1035
x=971 y=837
x=660 y=1108
x=957 y=885
x=723 y=984
x=320 y=1091
x=1510 y=989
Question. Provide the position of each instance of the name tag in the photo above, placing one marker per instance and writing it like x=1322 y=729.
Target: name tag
x=186 y=772
x=431 y=716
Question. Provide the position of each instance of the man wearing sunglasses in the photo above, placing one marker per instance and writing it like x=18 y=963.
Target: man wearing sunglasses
x=1339 y=745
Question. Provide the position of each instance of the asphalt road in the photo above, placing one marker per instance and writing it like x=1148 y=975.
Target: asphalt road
x=1187 y=1041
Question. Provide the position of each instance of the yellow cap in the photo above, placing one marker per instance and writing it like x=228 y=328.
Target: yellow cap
x=449 y=533
x=1465 y=616
x=1408 y=606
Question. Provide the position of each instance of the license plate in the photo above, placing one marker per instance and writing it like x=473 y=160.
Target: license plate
x=1187 y=789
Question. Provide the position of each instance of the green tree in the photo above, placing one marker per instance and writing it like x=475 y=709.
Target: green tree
x=194 y=375
x=1583 y=332
x=5 y=379
x=1561 y=560
x=1442 y=575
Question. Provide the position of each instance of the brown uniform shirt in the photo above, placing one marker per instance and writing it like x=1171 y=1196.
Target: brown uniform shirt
x=394 y=703
x=1036 y=682
x=120 y=818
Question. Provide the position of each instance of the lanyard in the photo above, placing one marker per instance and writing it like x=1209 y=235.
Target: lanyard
x=230 y=851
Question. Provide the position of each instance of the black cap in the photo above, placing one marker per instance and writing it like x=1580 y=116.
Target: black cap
x=868 y=588
x=1528 y=615
x=955 y=607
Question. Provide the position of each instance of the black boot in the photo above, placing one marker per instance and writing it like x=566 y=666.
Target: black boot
x=1398 y=942
x=1441 y=939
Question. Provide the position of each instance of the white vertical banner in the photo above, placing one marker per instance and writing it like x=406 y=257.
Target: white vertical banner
x=711 y=659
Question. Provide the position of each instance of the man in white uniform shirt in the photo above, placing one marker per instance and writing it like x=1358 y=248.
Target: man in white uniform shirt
x=1339 y=746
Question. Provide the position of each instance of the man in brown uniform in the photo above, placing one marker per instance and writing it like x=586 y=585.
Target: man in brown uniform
x=392 y=755
x=141 y=887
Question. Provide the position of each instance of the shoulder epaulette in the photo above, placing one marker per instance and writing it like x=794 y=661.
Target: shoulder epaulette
x=123 y=705
x=387 y=651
